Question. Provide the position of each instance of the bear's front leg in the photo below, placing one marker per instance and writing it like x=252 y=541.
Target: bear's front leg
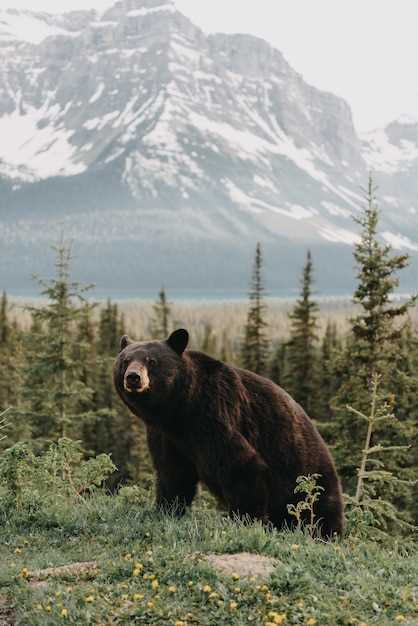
x=176 y=476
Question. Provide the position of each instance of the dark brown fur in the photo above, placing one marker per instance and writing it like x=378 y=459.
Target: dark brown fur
x=236 y=432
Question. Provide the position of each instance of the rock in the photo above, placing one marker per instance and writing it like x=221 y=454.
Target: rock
x=244 y=564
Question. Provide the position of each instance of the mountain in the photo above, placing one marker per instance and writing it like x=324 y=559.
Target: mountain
x=166 y=153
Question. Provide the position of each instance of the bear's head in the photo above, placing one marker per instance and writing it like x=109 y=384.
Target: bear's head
x=145 y=373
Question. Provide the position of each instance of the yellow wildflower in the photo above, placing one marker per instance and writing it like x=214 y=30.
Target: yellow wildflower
x=233 y=605
x=311 y=621
x=277 y=618
x=150 y=605
x=138 y=596
x=128 y=557
x=24 y=572
x=89 y=599
x=295 y=546
x=64 y=612
x=172 y=589
x=190 y=583
x=235 y=576
x=125 y=597
x=18 y=551
x=213 y=595
x=207 y=589
x=400 y=618
x=154 y=584
x=48 y=608
x=179 y=624
x=136 y=571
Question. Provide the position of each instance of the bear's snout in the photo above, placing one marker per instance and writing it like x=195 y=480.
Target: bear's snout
x=136 y=379
x=133 y=379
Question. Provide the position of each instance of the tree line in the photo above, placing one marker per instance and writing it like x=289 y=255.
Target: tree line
x=56 y=374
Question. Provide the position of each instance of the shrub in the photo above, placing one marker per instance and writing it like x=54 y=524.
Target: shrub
x=30 y=482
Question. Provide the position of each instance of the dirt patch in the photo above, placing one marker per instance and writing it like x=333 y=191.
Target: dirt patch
x=73 y=569
x=38 y=584
x=7 y=614
x=244 y=564
x=37 y=579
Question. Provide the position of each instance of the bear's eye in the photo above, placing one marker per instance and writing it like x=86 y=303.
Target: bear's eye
x=152 y=362
x=126 y=362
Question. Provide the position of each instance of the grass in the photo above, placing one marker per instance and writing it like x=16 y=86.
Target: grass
x=151 y=571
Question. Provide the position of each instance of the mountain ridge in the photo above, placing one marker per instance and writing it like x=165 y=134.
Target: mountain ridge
x=132 y=126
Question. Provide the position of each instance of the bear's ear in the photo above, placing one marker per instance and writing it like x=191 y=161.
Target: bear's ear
x=125 y=341
x=178 y=340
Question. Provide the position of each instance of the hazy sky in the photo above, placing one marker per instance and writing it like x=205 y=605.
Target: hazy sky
x=363 y=50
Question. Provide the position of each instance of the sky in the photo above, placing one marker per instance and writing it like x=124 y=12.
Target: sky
x=363 y=50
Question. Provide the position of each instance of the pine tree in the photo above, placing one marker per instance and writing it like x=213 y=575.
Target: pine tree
x=4 y=320
x=160 y=323
x=254 y=351
x=4 y=350
x=278 y=365
x=374 y=476
x=301 y=358
x=111 y=328
x=11 y=361
x=85 y=353
x=373 y=347
x=327 y=378
x=53 y=386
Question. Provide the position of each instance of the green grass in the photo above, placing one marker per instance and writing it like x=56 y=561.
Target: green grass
x=348 y=582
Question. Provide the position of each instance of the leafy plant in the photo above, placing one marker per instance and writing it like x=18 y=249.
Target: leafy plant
x=304 y=510
x=367 y=509
x=28 y=481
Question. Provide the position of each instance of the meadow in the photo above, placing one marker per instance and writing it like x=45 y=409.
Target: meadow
x=130 y=565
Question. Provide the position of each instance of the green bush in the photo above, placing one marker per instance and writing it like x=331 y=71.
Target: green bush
x=30 y=482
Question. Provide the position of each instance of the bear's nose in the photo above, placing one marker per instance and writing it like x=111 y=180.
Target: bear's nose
x=133 y=379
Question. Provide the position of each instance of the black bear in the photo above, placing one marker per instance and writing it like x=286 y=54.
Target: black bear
x=238 y=433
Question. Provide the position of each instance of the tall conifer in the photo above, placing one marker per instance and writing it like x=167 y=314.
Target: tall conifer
x=373 y=349
x=160 y=323
x=53 y=386
x=254 y=350
x=300 y=355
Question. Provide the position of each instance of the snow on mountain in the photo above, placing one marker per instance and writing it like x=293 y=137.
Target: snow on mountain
x=385 y=155
x=133 y=126
x=24 y=26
